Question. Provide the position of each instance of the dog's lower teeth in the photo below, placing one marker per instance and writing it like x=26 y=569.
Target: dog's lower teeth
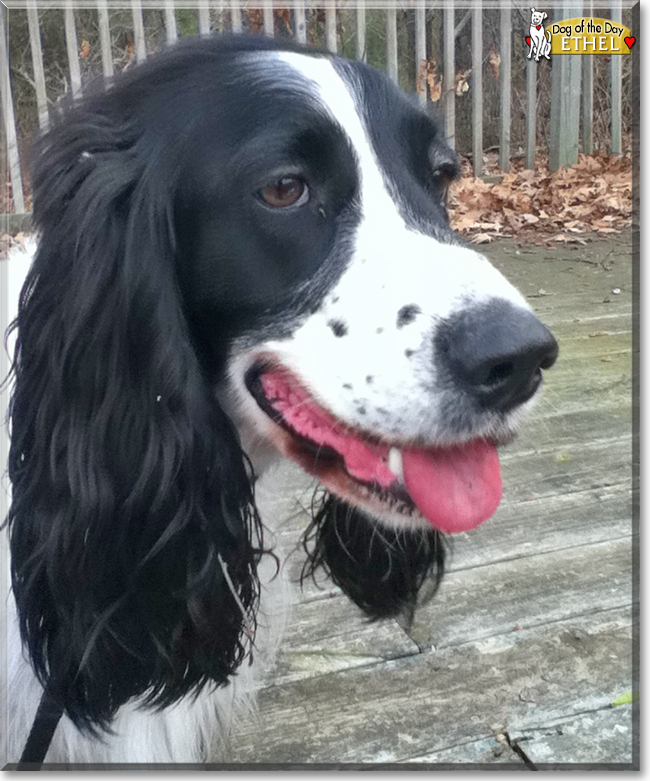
x=395 y=463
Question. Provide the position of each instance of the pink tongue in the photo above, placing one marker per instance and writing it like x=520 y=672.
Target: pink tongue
x=454 y=488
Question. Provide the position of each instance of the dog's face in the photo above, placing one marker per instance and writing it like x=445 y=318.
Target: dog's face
x=379 y=353
x=537 y=17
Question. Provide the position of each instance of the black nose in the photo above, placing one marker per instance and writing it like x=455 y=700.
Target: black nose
x=496 y=352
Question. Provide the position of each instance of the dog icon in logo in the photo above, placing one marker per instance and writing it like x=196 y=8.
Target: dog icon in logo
x=538 y=40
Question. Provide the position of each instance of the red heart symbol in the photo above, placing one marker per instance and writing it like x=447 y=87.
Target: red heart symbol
x=528 y=39
x=629 y=42
x=539 y=27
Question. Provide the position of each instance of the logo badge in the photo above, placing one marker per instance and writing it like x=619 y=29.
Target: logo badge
x=539 y=39
x=583 y=35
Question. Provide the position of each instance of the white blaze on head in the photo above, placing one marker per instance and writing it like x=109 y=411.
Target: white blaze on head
x=338 y=100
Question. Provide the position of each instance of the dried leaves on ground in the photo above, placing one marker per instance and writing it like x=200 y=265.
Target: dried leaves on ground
x=539 y=207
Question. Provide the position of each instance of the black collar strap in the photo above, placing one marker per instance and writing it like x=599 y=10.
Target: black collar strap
x=47 y=717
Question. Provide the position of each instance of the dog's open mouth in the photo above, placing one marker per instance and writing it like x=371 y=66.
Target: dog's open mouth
x=454 y=488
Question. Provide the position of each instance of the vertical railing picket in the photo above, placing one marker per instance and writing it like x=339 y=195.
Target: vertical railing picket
x=330 y=26
x=477 y=87
x=72 y=47
x=420 y=50
x=138 y=31
x=269 y=23
x=505 y=86
x=171 y=29
x=204 y=18
x=391 y=44
x=300 y=19
x=615 y=72
x=9 y=118
x=361 y=30
x=37 y=63
x=105 y=39
x=449 y=75
x=235 y=16
x=531 y=112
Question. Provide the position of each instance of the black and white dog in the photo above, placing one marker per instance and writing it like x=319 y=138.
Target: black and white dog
x=243 y=253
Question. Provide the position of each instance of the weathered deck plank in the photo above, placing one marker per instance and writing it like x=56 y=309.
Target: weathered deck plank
x=409 y=708
x=530 y=591
x=488 y=751
x=330 y=634
x=589 y=737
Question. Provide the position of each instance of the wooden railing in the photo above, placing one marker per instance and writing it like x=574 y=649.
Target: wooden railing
x=432 y=82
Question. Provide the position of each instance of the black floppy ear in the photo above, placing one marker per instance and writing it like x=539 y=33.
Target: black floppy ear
x=134 y=534
x=381 y=569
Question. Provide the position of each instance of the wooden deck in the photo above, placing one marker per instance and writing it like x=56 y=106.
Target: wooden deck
x=519 y=658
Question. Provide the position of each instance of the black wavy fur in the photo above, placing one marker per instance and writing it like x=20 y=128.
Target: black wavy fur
x=382 y=570
x=131 y=494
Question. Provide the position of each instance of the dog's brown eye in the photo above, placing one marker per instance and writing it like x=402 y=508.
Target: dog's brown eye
x=287 y=191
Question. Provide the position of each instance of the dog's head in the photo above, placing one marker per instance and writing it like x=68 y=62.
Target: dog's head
x=243 y=243
x=537 y=17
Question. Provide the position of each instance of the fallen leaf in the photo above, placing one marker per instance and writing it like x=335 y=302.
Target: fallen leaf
x=626 y=699
x=494 y=61
x=462 y=81
x=435 y=87
x=481 y=238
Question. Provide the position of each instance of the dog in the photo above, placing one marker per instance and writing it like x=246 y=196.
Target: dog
x=243 y=254
x=540 y=41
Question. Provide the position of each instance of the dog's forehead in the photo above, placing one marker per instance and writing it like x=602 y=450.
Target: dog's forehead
x=316 y=80
x=336 y=93
x=382 y=128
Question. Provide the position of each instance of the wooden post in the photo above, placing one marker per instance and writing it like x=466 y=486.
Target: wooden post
x=505 y=86
x=477 y=87
x=72 y=48
x=138 y=31
x=435 y=33
x=420 y=50
x=300 y=20
x=449 y=74
x=269 y=23
x=361 y=30
x=565 y=102
x=588 y=95
x=531 y=112
x=235 y=15
x=37 y=62
x=391 y=43
x=615 y=64
x=9 y=117
x=330 y=26
x=105 y=39
x=171 y=28
x=204 y=19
